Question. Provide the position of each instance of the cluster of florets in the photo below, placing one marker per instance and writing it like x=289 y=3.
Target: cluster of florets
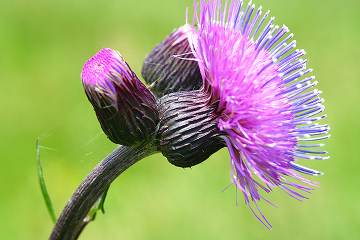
x=232 y=79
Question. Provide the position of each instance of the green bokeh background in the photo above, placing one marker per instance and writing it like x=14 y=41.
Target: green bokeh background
x=43 y=45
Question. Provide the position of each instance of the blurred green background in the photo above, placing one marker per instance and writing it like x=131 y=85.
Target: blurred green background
x=43 y=45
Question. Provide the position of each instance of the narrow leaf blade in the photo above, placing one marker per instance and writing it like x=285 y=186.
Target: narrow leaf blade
x=42 y=183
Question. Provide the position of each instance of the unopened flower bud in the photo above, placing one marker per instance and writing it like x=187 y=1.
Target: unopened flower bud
x=125 y=108
x=188 y=130
x=170 y=67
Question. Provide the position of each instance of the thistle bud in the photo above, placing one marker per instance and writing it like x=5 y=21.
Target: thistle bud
x=188 y=132
x=170 y=66
x=125 y=108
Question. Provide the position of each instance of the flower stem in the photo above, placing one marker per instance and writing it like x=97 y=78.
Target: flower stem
x=73 y=217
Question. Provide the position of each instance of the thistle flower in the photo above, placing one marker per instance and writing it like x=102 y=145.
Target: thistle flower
x=267 y=107
x=125 y=108
x=167 y=68
x=232 y=79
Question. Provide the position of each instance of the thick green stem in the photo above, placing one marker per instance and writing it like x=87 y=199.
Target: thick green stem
x=73 y=218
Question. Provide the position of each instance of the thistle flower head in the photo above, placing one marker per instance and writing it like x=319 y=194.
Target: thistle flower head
x=267 y=107
x=233 y=79
x=167 y=68
x=125 y=108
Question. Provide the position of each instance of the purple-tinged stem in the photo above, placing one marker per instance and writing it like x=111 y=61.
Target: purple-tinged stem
x=73 y=218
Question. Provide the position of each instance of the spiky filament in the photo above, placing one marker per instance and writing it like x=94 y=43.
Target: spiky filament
x=267 y=103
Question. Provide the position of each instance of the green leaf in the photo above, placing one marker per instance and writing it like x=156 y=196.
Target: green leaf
x=99 y=206
x=43 y=187
x=102 y=202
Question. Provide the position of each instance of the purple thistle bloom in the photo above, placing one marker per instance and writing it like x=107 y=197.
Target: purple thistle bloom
x=232 y=79
x=125 y=108
x=267 y=107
